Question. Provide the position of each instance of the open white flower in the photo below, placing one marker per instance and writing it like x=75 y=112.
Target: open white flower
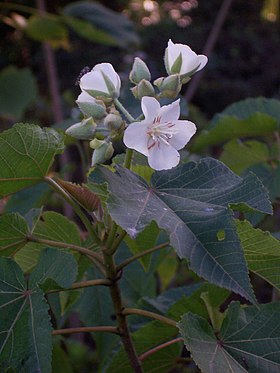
x=181 y=59
x=101 y=82
x=160 y=135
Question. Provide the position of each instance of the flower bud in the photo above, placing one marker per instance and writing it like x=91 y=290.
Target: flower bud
x=181 y=59
x=114 y=122
x=139 y=71
x=144 y=88
x=90 y=107
x=102 y=82
x=170 y=86
x=103 y=151
x=83 y=130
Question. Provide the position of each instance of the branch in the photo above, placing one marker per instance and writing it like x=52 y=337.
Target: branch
x=83 y=284
x=140 y=255
x=152 y=315
x=80 y=249
x=86 y=329
x=158 y=348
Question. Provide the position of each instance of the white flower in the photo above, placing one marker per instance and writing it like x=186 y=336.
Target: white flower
x=181 y=59
x=160 y=134
x=101 y=82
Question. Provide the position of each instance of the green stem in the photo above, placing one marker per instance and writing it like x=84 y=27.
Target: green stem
x=117 y=242
x=86 y=329
x=128 y=158
x=75 y=207
x=152 y=315
x=160 y=347
x=83 y=284
x=140 y=255
x=112 y=275
x=120 y=106
x=80 y=249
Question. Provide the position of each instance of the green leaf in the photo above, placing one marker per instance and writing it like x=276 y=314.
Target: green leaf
x=26 y=152
x=238 y=156
x=89 y=32
x=262 y=252
x=190 y=203
x=25 y=329
x=114 y=24
x=248 y=341
x=56 y=227
x=144 y=241
x=251 y=117
x=52 y=265
x=13 y=232
x=47 y=27
x=230 y=127
x=149 y=336
x=18 y=90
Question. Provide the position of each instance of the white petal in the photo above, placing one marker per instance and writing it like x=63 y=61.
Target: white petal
x=202 y=60
x=184 y=132
x=108 y=70
x=93 y=81
x=150 y=107
x=170 y=112
x=135 y=137
x=85 y=97
x=163 y=157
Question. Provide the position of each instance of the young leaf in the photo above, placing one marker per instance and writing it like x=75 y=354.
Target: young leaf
x=190 y=203
x=27 y=152
x=13 y=232
x=262 y=252
x=248 y=341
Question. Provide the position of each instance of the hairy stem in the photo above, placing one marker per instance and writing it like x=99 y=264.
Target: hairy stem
x=83 y=284
x=158 y=348
x=140 y=255
x=120 y=106
x=75 y=207
x=80 y=249
x=86 y=329
x=152 y=315
x=121 y=318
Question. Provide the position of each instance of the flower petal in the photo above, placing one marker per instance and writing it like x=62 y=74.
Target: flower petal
x=184 y=132
x=163 y=156
x=110 y=72
x=93 y=81
x=170 y=112
x=135 y=137
x=150 y=107
x=202 y=60
x=85 y=97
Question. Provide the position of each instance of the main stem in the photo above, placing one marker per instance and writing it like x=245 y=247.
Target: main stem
x=112 y=274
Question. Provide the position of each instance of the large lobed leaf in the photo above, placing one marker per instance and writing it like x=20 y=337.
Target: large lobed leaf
x=26 y=153
x=25 y=329
x=249 y=340
x=190 y=203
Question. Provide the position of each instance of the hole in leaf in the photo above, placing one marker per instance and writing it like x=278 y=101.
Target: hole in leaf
x=221 y=235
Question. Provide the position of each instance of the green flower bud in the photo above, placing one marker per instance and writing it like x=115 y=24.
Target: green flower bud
x=144 y=88
x=158 y=82
x=83 y=130
x=91 y=107
x=139 y=71
x=103 y=151
x=170 y=86
x=114 y=122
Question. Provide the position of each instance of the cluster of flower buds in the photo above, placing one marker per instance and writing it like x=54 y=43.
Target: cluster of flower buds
x=161 y=134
